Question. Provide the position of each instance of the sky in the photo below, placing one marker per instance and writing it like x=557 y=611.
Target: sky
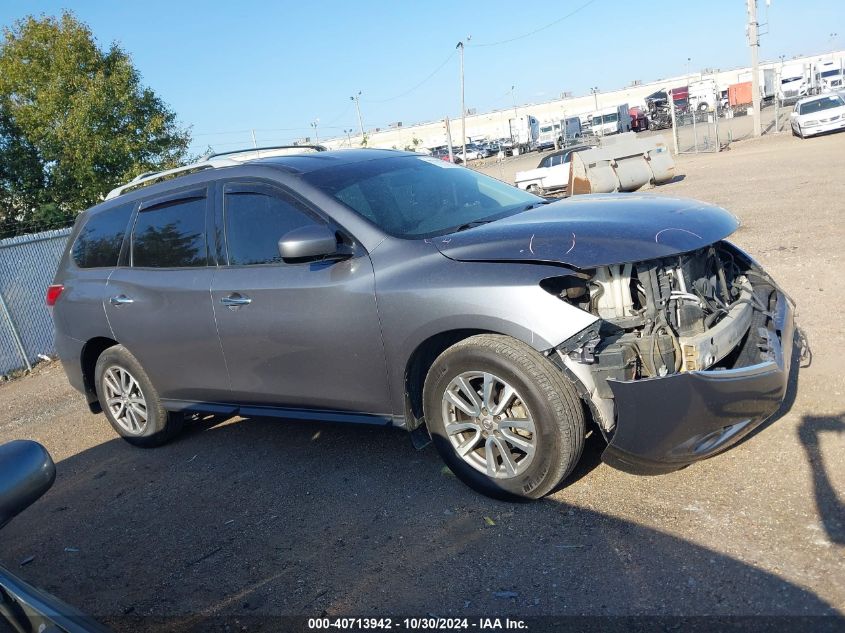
x=227 y=68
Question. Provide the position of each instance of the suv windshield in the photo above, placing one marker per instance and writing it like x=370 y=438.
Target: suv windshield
x=415 y=197
x=817 y=105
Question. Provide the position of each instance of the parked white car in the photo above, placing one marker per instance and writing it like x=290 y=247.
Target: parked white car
x=552 y=174
x=817 y=114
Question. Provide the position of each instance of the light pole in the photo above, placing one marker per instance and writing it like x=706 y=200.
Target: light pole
x=595 y=91
x=314 y=124
x=357 y=100
x=460 y=46
x=513 y=99
x=348 y=138
x=689 y=61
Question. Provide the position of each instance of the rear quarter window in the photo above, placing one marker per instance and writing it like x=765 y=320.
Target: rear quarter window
x=98 y=243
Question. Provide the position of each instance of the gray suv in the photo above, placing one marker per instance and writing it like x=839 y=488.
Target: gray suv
x=390 y=288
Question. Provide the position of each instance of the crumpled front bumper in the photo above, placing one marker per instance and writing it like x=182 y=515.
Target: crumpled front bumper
x=663 y=424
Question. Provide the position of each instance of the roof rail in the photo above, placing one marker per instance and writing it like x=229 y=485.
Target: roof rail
x=209 y=161
x=258 y=150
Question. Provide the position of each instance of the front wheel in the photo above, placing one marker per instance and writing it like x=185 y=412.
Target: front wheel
x=503 y=418
x=130 y=402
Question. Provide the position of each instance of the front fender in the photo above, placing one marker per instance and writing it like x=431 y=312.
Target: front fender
x=425 y=294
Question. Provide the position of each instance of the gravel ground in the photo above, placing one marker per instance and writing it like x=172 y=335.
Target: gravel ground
x=253 y=517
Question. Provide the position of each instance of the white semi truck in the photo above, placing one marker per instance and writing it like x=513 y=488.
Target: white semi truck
x=795 y=81
x=611 y=120
x=828 y=75
x=524 y=130
x=561 y=131
x=704 y=95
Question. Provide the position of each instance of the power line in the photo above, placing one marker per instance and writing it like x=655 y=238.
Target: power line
x=409 y=91
x=535 y=31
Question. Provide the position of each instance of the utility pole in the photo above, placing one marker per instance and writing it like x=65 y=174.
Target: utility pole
x=314 y=124
x=463 y=106
x=449 y=139
x=357 y=100
x=754 y=43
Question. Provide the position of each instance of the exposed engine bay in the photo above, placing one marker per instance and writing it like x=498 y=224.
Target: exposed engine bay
x=709 y=309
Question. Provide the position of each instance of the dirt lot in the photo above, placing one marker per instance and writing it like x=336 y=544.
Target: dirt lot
x=251 y=517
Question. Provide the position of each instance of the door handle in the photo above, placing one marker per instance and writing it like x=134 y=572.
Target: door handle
x=120 y=300
x=235 y=300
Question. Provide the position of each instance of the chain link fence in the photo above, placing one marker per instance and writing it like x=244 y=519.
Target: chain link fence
x=696 y=130
x=27 y=266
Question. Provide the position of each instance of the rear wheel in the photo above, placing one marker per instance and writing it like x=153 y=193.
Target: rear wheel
x=130 y=402
x=505 y=420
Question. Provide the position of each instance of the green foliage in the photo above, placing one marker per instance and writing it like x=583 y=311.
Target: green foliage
x=75 y=121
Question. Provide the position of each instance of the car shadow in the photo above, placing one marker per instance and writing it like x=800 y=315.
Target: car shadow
x=243 y=519
x=829 y=506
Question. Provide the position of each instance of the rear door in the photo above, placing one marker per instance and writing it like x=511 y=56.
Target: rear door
x=159 y=303
x=299 y=335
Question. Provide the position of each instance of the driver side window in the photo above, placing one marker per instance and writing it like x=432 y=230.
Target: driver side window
x=255 y=220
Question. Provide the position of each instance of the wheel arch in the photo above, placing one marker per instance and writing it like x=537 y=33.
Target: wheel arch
x=91 y=352
x=420 y=361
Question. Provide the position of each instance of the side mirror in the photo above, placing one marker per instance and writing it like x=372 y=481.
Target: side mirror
x=308 y=242
x=26 y=472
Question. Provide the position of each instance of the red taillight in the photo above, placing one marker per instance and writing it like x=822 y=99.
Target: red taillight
x=53 y=293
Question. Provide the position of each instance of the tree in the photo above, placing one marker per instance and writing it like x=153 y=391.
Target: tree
x=75 y=121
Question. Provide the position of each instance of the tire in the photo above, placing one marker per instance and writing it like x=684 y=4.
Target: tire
x=119 y=376
x=544 y=403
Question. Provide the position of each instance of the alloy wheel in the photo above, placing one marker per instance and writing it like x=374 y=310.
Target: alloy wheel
x=489 y=425
x=125 y=400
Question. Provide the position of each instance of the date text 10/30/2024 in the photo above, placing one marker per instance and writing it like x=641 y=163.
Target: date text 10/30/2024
x=417 y=624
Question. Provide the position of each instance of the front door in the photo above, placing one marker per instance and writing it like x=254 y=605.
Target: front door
x=297 y=335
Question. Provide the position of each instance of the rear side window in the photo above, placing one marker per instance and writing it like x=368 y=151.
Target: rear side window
x=98 y=243
x=256 y=220
x=170 y=235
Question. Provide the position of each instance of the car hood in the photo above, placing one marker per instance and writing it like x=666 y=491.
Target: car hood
x=594 y=230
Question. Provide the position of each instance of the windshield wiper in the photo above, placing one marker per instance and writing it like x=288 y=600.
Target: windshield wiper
x=471 y=225
x=534 y=205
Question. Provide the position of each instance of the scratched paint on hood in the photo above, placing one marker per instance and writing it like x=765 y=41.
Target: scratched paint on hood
x=594 y=230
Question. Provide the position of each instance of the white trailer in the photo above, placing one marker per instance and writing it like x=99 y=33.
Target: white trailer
x=768 y=87
x=611 y=120
x=524 y=131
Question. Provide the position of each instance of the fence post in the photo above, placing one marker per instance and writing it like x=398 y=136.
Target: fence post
x=8 y=318
x=674 y=123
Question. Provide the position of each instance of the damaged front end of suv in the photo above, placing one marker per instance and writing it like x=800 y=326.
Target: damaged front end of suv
x=692 y=340
x=690 y=353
